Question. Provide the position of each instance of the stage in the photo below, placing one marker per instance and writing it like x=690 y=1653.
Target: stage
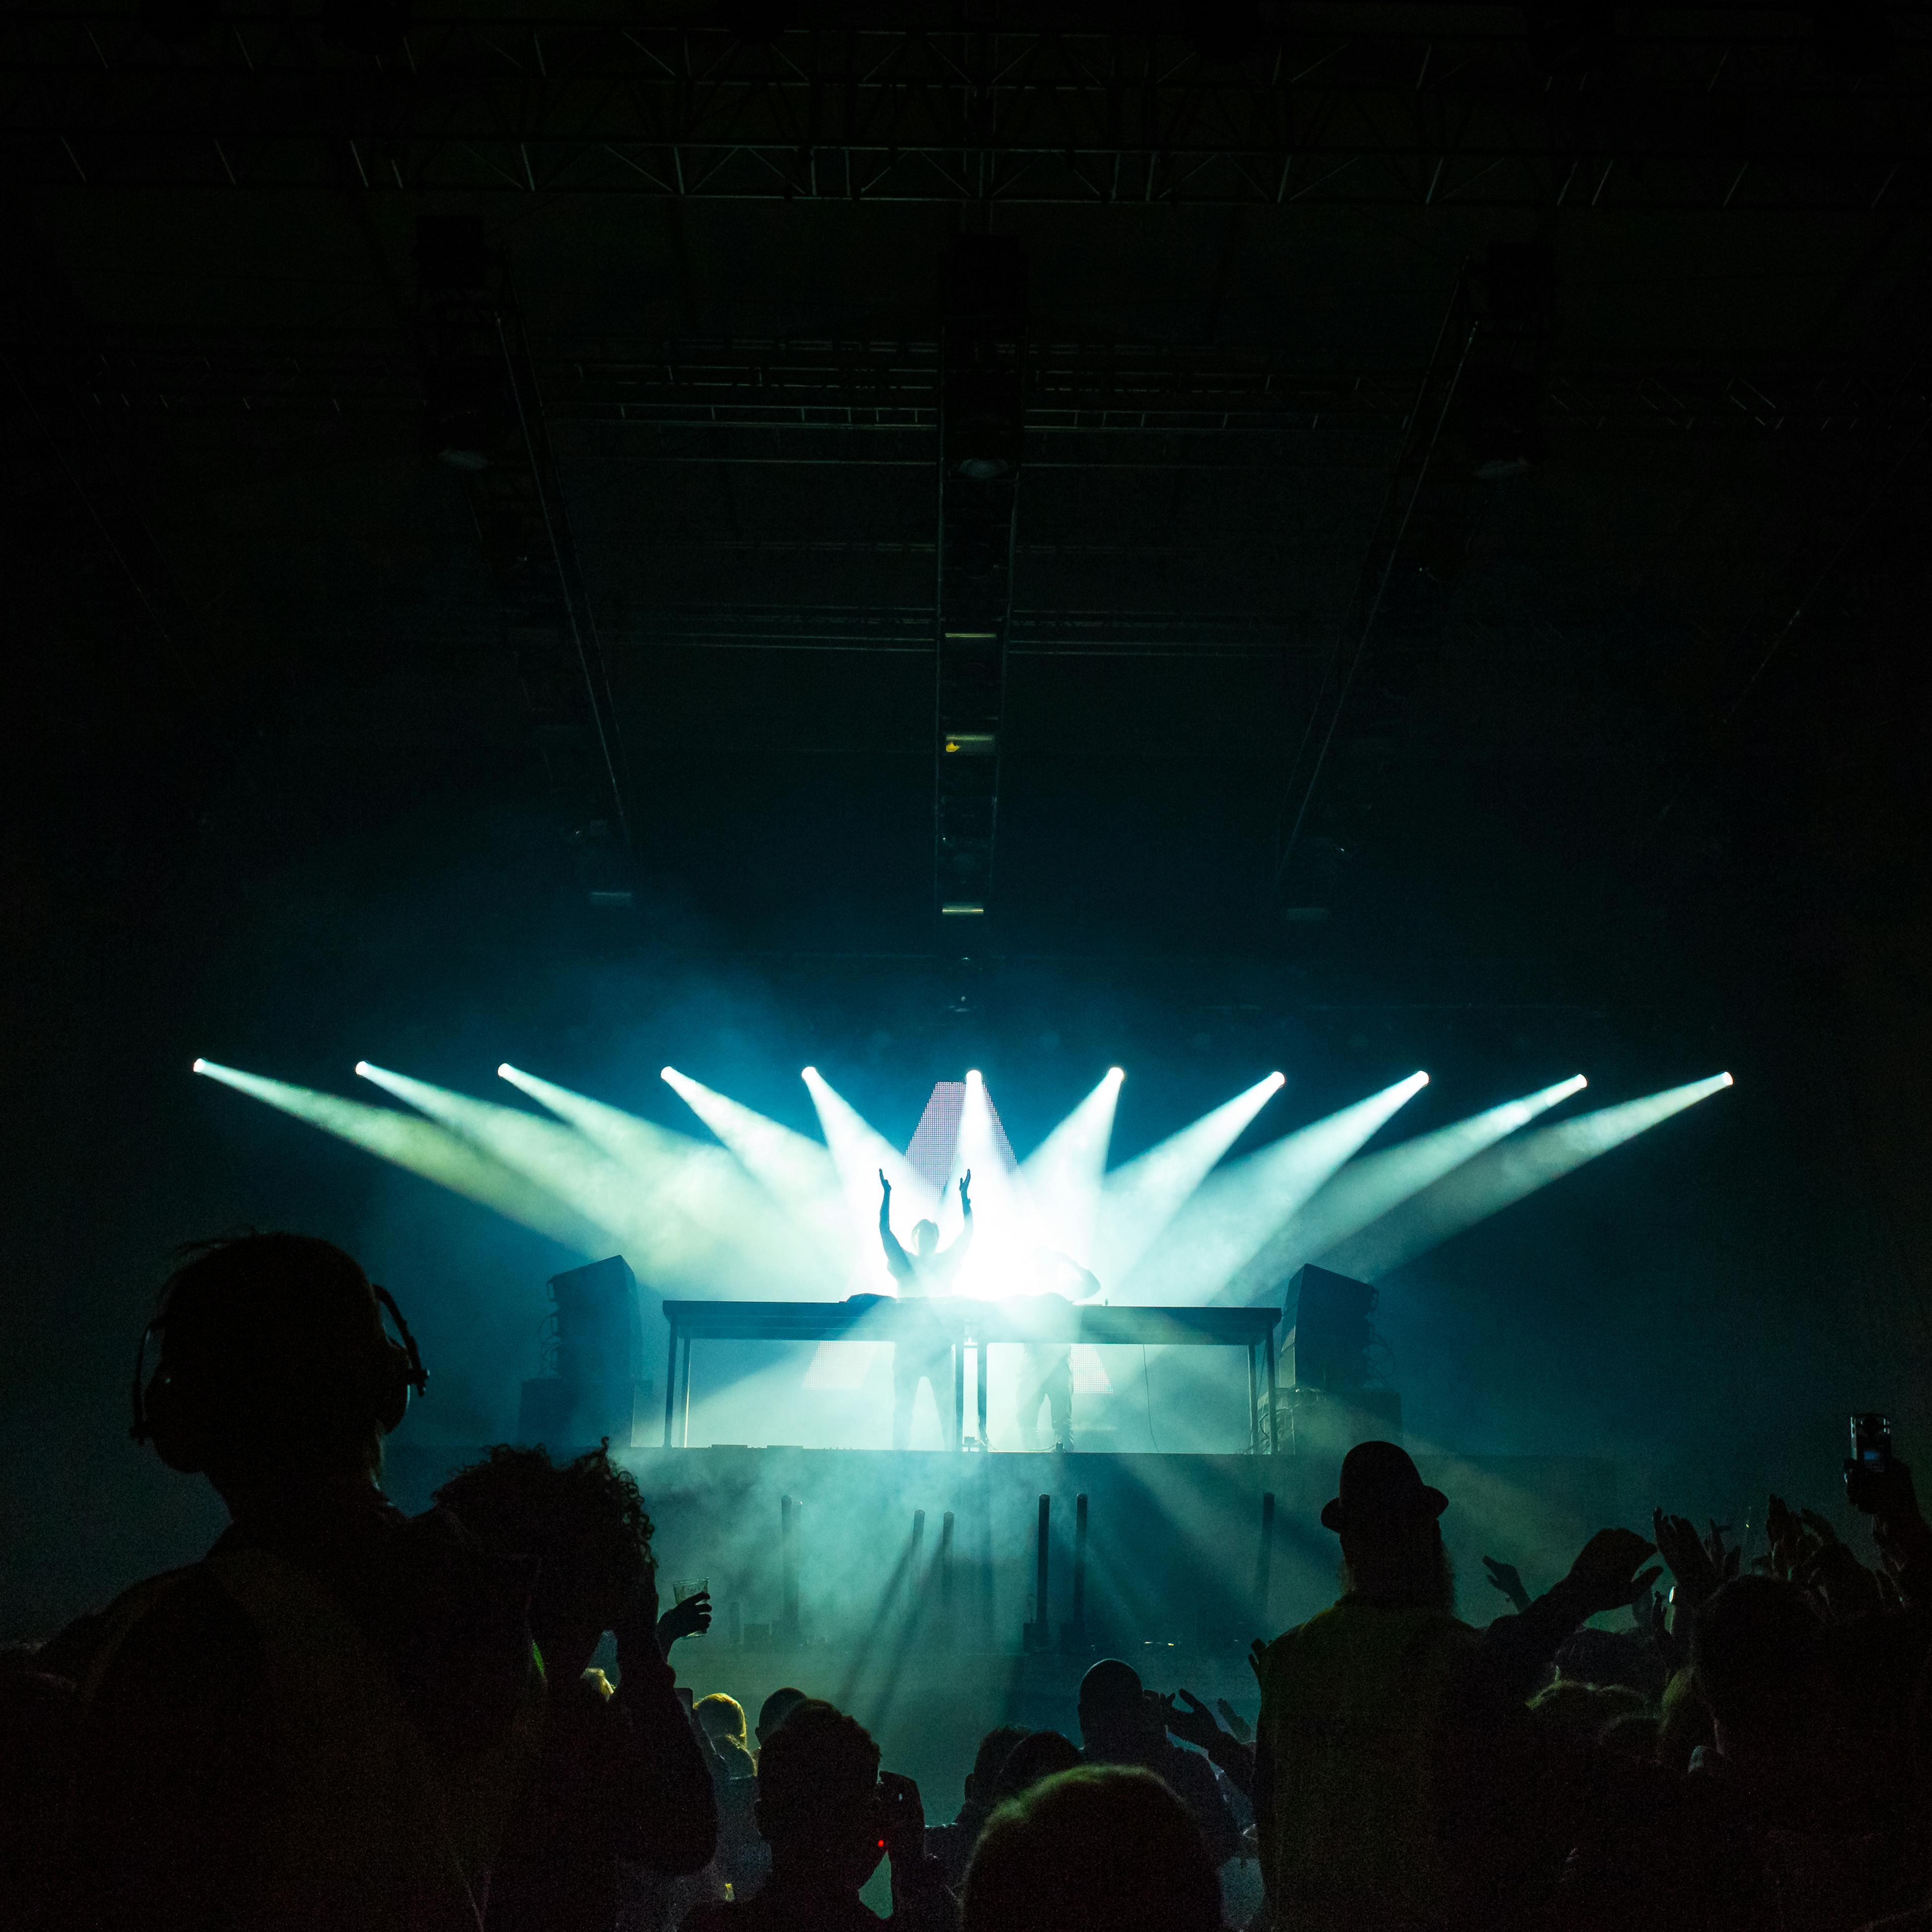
x=863 y=1589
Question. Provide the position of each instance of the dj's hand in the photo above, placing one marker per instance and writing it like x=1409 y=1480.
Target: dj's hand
x=885 y=1183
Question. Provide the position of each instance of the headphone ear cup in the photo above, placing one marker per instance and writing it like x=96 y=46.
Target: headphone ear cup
x=389 y=1388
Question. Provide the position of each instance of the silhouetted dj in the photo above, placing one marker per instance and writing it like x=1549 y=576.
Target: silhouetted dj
x=1046 y=1368
x=926 y=1354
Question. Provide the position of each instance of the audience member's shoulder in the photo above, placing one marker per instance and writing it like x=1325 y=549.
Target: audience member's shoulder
x=178 y=1639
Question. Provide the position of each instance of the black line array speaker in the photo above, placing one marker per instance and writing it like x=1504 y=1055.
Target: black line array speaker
x=594 y=1356
x=1330 y=1327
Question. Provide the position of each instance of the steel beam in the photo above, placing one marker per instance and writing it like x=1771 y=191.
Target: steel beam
x=1718 y=109
x=888 y=393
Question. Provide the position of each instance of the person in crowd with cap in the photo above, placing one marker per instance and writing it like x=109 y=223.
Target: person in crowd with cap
x=1121 y=1723
x=1356 y=1703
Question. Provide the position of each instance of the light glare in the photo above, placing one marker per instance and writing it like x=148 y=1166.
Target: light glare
x=1144 y=1195
x=1239 y=1209
x=424 y=1147
x=200 y=1066
x=1504 y=1173
x=1061 y=1180
x=1366 y=1189
x=793 y=1169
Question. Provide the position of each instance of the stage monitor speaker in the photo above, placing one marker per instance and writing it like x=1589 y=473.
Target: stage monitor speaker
x=594 y=1347
x=1329 y=1330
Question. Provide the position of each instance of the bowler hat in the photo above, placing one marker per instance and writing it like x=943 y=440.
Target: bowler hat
x=1380 y=1484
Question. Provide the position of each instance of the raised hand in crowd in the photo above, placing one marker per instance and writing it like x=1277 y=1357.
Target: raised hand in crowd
x=902 y=1813
x=1506 y=1578
x=1239 y=1728
x=1699 y=1573
x=1899 y=1527
x=691 y=1617
x=1605 y=1575
x=1190 y=1721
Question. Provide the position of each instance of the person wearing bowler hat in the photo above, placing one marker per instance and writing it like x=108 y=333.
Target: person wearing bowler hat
x=1355 y=1703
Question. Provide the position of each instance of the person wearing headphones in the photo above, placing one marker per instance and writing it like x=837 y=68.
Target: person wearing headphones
x=326 y=1720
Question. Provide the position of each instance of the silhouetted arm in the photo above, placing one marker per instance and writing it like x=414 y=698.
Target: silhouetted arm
x=1503 y=1668
x=1089 y=1281
x=897 y=1260
x=957 y=1252
x=668 y=1808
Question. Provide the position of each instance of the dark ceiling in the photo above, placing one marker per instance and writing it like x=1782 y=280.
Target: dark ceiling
x=1285 y=675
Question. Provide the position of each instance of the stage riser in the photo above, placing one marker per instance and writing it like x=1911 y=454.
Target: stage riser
x=1173 y=1555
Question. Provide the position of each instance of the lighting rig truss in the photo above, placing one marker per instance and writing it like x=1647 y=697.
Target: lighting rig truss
x=485 y=418
x=748 y=401
x=1736 y=109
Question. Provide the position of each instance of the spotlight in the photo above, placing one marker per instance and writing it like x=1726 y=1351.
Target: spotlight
x=1280 y=1079
x=972 y=1076
x=1729 y=1082
x=503 y=1069
x=809 y=1073
x=666 y=1073
x=1116 y=1073
x=200 y=1066
x=361 y=1069
x=1422 y=1080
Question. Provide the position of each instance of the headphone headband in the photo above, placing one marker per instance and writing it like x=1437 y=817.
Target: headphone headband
x=418 y=1377
x=414 y=1375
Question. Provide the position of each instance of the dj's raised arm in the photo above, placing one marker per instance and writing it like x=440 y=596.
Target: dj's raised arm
x=958 y=1250
x=897 y=1260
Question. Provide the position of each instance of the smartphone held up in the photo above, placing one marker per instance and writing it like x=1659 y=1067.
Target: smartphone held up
x=1868 y=1468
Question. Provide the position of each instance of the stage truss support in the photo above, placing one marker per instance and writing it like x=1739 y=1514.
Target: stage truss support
x=1731 y=111
x=981 y=423
x=485 y=418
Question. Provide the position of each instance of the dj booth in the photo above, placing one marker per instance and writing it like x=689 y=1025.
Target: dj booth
x=974 y=1325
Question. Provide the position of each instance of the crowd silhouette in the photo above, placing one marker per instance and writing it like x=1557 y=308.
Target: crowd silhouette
x=344 y=1716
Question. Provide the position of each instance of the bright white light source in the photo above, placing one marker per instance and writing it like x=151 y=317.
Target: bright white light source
x=972 y=1076
x=361 y=1069
x=1116 y=1073
x=1729 y=1082
x=804 y=1073
x=200 y=1066
x=666 y=1073
x=502 y=1069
